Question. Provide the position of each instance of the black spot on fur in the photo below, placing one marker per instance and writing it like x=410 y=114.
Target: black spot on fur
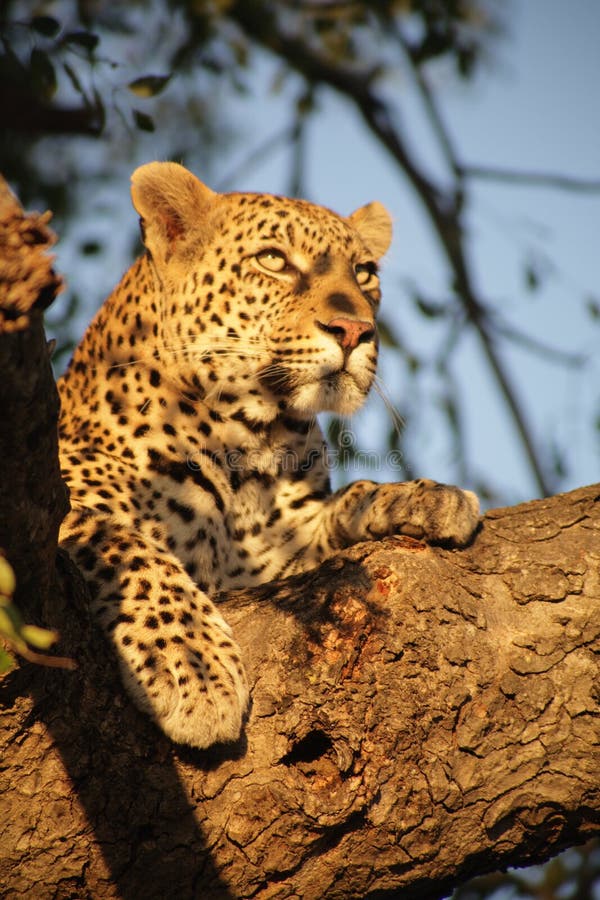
x=186 y=513
x=341 y=303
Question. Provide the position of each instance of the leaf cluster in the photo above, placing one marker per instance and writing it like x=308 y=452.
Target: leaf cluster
x=18 y=635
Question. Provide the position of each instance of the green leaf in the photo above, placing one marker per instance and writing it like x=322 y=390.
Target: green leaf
x=99 y=110
x=84 y=39
x=466 y=59
x=46 y=25
x=430 y=309
x=73 y=77
x=558 y=461
x=149 y=85
x=42 y=638
x=10 y=622
x=532 y=277
x=386 y=335
x=43 y=74
x=12 y=67
x=593 y=307
x=450 y=408
x=7 y=661
x=8 y=581
x=90 y=248
x=334 y=429
x=143 y=121
x=414 y=363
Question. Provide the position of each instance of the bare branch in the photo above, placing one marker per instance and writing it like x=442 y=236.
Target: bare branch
x=444 y=207
x=258 y=154
x=533 y=179
x=24 y=113
x=431 y=108
x=556 y=354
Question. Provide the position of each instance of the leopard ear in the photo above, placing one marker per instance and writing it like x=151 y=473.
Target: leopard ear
x=374 y=224
x=170 y=201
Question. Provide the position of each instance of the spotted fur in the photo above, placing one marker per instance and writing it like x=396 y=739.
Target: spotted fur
x=188 y=434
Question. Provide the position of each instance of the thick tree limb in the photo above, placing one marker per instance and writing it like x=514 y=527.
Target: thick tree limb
x=419 y=715
x=33 y=497
x=443 y=711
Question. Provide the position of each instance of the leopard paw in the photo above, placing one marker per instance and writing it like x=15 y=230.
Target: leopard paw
x=440 y=513
x=190 y=680
x=422 y=509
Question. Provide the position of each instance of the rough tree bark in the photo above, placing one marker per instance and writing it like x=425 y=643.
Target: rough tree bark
x=419 y=716
x=33 y=499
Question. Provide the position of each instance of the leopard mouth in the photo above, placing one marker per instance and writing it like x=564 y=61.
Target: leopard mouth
x=338 y=390
x=278 y=379
x=336 y=381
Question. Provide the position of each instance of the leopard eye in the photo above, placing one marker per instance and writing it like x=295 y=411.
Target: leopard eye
x=272 y=260
x=366 y=275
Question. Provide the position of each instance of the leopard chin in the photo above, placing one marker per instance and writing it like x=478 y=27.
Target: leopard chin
x=337 y=392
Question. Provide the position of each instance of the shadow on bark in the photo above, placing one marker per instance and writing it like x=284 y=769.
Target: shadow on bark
x=92 y=803
x=106 y=782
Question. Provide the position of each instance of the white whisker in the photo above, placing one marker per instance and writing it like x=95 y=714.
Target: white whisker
x=188 y=348
x=397 y=419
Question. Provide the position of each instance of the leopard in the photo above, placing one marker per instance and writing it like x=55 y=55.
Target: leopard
x=189 y=437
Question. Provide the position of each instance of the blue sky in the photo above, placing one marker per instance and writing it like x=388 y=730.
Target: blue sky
x=534 y=107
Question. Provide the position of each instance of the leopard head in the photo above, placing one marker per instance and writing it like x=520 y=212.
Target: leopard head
x=276 y=296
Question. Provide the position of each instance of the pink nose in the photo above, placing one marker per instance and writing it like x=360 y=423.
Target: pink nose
x=350 y=332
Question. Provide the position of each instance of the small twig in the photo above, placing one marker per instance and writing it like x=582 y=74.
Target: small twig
x=447 y=226
x=435 y=118
x=298 y=141
x=532 y=179
x=257 y=155
x=43 y=659
x=535 y=346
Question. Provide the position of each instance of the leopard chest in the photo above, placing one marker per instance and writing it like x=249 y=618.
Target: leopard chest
x=233 y=515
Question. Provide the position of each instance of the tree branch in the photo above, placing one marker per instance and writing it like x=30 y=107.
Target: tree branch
x=419 y=716
x=23 y=113
x=443 y=207
x=532 y=179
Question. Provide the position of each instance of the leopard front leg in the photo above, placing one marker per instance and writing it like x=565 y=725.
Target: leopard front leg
x=176 y=653
x=422 y=509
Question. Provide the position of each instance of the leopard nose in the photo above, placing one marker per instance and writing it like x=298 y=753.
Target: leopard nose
x=349 y=333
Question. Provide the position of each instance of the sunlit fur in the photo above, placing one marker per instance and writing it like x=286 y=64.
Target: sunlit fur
x=189 y=438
